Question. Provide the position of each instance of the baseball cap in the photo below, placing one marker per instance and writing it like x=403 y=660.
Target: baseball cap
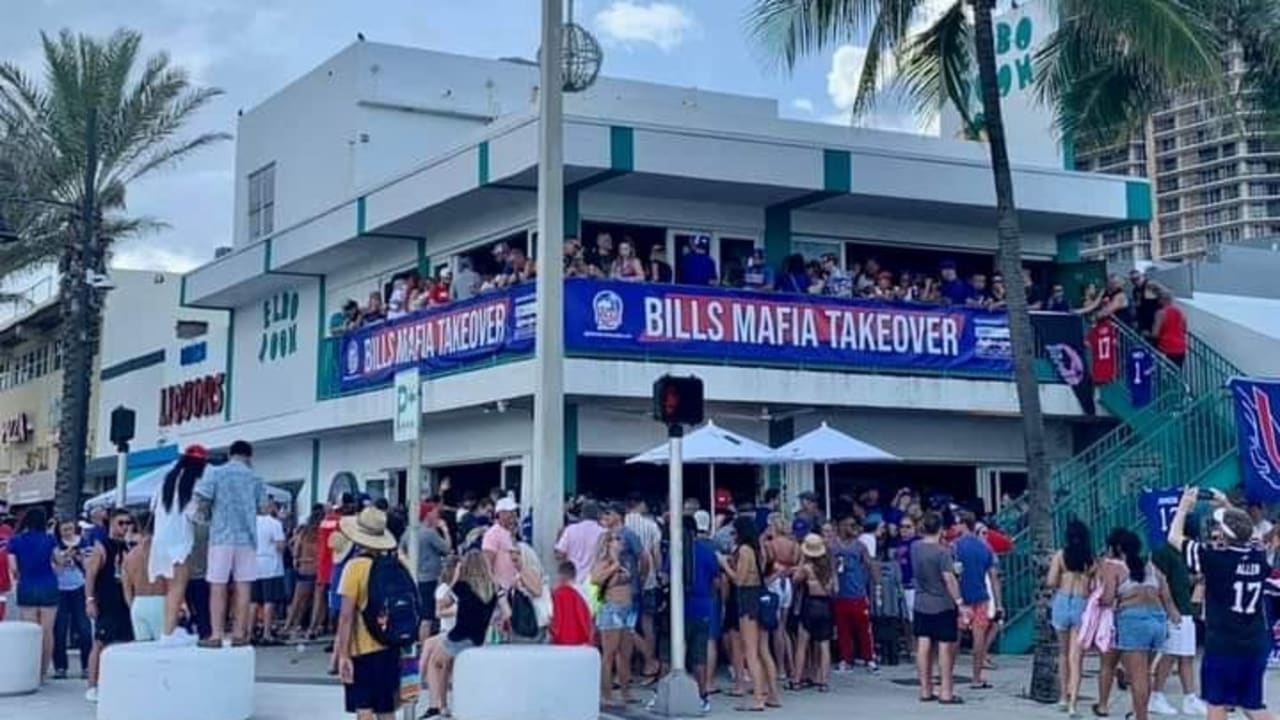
x=506 y=504
x=702 y=520
x=195 y=450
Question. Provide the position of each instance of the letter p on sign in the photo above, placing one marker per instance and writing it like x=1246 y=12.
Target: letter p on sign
x=407 y=412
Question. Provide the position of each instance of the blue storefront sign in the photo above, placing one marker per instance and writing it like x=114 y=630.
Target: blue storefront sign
x=713 y=324
x=481 y=329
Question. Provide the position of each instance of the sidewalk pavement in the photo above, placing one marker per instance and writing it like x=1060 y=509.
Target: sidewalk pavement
x=293 y=684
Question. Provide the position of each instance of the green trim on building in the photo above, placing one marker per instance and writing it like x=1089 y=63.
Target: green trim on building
x=622 y=148
x=424 y=262
x=362 y=214
x=572 y=214
x=482 y=160
x=837 y=171
x=1137 y=200
x=777 y=234
x=182 y=291
x=1068 y=154
x=266 y=256
x=570 y=449
x=315 y=470
x=1068 y=248
x=231 y=357
x=321 y=346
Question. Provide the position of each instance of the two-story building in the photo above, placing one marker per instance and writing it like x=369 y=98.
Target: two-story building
x=390 y=162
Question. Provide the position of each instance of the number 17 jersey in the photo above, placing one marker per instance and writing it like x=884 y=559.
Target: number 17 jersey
x=1236 y=583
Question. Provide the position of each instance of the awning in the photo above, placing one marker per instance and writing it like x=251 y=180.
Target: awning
x=31 y=488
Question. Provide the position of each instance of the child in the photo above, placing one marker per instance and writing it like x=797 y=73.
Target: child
x=571 y=622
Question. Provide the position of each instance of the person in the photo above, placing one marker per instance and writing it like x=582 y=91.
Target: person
x=627 y=267
x=369 y=670
x=1180 y=646
x=1236 y=575
x=433 y=546
x=855 y=578
x=172 y=508
x=887 y=605
x=701 y=575
x=1057 y=301
x=105 y=603
x=33 y=550
x=1143 y=612
x=1170 y=329
x=230 y=496
x=199 y=620
x=571 y=622
x=977 y=565
x=901 y=554
x=1113 y=302
x=784 y=552
x=616 y=617
x=477 y=599
x=6 y=574
x=953 y=290
x=72 y=551
x=303 y=548
x=696 y=266
x=815 y=580
x=267 y=592
x=499 y=542
x=936 y=615
x=746 y=572
x=1070 y=577
x=324 y=564
x=1109 y=573
x=639 y=521
x=1143 y=300
x=146 y=597
x=758 y=275
x=531 y=586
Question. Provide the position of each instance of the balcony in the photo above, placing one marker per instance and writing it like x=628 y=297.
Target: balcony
x=682 y=324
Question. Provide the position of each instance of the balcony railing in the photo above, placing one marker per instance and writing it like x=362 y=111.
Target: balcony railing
x=671 y=323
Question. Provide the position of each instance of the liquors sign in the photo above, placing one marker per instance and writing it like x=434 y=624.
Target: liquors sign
x=193 y=399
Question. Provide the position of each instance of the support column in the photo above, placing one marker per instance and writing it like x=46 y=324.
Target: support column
x=570 y=449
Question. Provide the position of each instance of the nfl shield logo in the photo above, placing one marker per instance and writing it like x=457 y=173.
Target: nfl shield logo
x=353 y=357
x=608 y=310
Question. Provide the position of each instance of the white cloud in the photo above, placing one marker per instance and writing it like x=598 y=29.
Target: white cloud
x=628 y=23
x=145 y=255
x=889 y=113
x=804 y=105
x=842 y=78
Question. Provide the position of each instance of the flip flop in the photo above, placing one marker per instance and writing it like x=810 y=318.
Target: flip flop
x=953 y=700
x=1097 y=712
x=734 y=694
x=981 y=686
x=748 y=708
x=931 y=698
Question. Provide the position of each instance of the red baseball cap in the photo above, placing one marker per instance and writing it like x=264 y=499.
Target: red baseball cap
x=197 y=451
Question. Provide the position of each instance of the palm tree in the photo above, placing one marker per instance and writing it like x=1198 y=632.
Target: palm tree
x=1141 y=49
x=69 y=148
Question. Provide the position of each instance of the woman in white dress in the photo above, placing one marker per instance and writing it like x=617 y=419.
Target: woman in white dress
x=172 y=507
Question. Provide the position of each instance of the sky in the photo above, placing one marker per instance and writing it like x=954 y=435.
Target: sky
x=251 y=48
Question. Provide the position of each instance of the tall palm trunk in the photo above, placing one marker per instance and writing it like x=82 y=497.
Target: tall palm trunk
x=78 y=334
x=1009 y=258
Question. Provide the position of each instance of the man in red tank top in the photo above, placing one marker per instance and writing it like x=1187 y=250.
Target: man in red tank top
x=1170 y=329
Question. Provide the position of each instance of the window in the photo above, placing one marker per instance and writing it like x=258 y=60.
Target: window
x=1169 y=205
x=1169 y=164
x=262 y=202
x=1168 y=144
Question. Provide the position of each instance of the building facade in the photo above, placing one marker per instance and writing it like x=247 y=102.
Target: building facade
x=416 y=162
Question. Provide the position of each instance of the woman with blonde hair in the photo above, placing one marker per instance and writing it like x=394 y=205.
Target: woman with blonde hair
x=816 y=581
x=531 y=586
x=477 y=598
x=617 y=616
x=784 y=552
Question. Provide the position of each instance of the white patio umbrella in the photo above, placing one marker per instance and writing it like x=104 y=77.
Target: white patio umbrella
x=712 y=445
x=141 y=489
x=824 y=444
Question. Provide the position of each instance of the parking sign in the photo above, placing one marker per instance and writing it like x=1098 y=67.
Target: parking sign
x=407 y=412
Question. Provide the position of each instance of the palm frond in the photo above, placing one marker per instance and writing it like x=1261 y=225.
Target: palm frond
x=936 y=66
x=788 y=30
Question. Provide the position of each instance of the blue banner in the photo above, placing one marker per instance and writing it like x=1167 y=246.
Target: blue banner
x=1257 y=405
x=440 y=339
x=714 y=324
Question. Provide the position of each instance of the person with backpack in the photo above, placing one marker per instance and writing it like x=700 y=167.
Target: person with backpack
x=530 y=598
x=378 y=618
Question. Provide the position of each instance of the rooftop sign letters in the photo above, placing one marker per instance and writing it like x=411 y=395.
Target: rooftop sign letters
x=197 y=398
x=16 y=429
x=279 y=326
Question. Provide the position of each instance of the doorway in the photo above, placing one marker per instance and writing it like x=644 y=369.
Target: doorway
x=997 y=486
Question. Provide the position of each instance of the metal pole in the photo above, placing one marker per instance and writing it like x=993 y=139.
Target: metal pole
x=413 y=499
x=826 y=482
x=711 y=507
x=547 y=494
x=122 y=474
x=677 y=693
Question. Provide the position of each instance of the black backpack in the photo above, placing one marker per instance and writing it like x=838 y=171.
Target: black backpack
x=392 y=614
x=524 y=618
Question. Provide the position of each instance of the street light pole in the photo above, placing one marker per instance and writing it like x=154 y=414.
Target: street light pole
x=547 y=496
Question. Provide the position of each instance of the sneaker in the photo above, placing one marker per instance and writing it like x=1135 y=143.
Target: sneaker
x=1160 y=705
x=706 y=706
x=178 y=638
x=1192 y=705
x=872 y=667
x=843 y=668
x=91 y=695
x=60 y=674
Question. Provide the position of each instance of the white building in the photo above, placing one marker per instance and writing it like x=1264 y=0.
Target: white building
x=387 y=159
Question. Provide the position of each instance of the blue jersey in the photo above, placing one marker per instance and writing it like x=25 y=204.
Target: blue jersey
x=1158 y=508
x=1140 y=374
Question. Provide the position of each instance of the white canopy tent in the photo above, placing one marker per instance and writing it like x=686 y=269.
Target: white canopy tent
x=712 y=445
x=825 y=445
x=141 y=489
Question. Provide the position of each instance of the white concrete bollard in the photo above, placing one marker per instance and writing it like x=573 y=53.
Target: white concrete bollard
x=20 y=661
x=146 y=681
x=530 y=682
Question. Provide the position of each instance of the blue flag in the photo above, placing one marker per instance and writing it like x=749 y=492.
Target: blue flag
x=1257 y=405
x=1158 y=508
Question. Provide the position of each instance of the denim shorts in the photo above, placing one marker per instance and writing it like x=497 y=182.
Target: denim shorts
x=1067 y=611
x=616 y=617
x=1141 y=627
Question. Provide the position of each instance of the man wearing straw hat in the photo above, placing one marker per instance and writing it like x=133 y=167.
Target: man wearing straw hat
x=370 y=671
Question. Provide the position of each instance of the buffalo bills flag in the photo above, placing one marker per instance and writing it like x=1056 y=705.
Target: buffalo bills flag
x=1258 y=426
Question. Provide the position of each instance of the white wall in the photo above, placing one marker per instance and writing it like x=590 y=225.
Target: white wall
x=263 y=386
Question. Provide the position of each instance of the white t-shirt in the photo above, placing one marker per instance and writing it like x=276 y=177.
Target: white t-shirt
x=444 y=591
x=270 y=557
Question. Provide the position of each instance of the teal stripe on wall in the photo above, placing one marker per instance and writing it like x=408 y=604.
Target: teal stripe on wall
x=482 y=171
x=837 y=171
x=1137 y=201
x=361 y=216
x=622 y=148
x=570 y=449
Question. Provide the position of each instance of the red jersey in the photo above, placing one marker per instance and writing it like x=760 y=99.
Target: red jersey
x=571 y=622
x=1173 y=331
x=324 y=556
x=1103 y=349
x=438 y=294
x=5 y=534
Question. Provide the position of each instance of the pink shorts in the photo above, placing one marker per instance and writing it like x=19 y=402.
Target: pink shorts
x=232 y=561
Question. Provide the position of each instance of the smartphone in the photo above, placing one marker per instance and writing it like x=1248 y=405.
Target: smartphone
x=1205 y=495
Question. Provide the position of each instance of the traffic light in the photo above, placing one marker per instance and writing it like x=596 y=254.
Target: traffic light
x=122 y=426
x=677 y=400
